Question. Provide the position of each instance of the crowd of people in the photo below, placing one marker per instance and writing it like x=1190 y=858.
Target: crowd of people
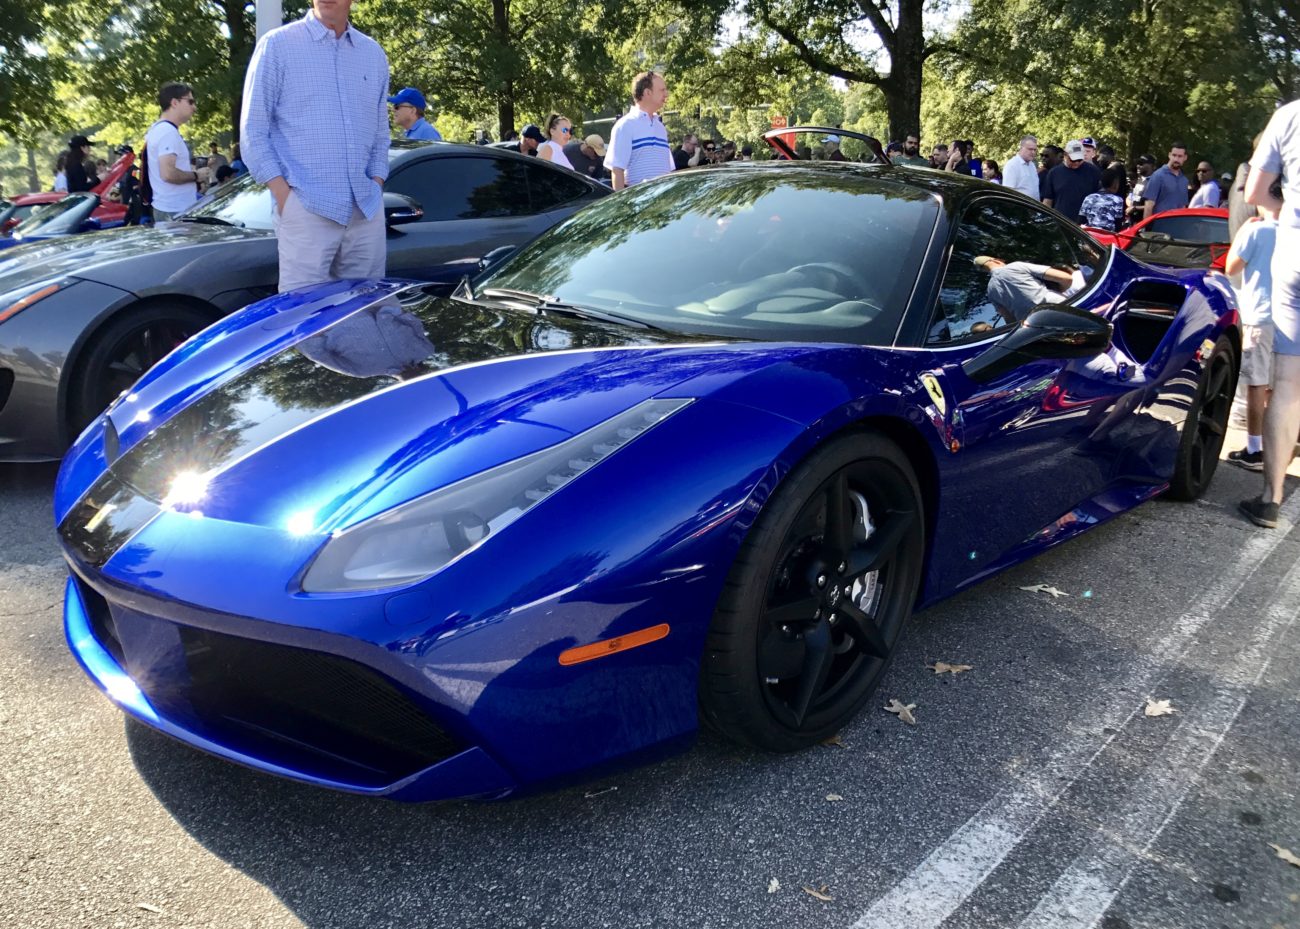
x=327 y=188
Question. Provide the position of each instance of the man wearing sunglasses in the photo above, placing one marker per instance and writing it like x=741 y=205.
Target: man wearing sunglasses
x=1208 y=194
x=173 y=184
x=408 y=112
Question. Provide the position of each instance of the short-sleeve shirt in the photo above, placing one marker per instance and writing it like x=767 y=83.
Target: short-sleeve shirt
x=1279 y=153
x=1254 y=245
x=1066 y=187
x=1167 y=189
x=163 y=138
x=1021 y=175
x=1208 y=194
x=423 y=131
x=1103 y=210
x=638 y=145
x=592 y=167
x=1019 y=287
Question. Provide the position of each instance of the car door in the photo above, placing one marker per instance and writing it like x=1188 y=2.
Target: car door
x=1038 y=440
x=472 y=203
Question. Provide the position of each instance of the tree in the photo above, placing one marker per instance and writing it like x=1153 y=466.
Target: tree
x=27 y=74
x=1273 y=29
x=834 y=38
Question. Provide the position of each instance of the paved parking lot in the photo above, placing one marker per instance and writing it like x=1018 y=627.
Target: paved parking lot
x=1033 y=791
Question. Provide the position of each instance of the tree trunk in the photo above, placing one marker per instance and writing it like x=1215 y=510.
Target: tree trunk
x=506 y=101
x=33 y=179
x=241 y=49
x=902 y=89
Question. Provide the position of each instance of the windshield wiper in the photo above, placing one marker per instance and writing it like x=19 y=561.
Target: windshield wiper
x=209 y=221
x=545 y=304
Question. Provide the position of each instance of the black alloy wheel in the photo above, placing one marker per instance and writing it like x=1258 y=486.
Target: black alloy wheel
x=818 y=596
x=127 y=348
x=1206 y=424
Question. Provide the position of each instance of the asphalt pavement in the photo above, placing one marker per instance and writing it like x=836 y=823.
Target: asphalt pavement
x=1033 y=791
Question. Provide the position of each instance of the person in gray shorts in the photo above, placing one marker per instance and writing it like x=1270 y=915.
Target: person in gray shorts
x=1277 y=156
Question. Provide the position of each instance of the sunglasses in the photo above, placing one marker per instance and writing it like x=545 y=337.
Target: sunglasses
x=1203 y=171
x=566 y=130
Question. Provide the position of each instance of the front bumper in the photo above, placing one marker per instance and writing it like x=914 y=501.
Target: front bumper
x=186 y=683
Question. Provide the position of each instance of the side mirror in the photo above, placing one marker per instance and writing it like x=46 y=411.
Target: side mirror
x=400 y=209
x=495 y=257
x=1051 y=331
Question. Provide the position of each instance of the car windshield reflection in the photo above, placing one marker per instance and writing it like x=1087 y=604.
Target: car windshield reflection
x=798 y=253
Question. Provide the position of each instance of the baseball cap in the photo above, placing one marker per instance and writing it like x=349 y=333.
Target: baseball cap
x=77 y=141
x=831 y=138
x=982 y=261
x=1146 y=159
x=1087 y=141
x=597 y=143
x=408 y=95
x=1074 y=150
x=532 y=132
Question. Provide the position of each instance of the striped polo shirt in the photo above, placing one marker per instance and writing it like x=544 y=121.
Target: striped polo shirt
x=639 y=145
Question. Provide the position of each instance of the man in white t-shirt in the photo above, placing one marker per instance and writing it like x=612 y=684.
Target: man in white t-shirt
x=172 y=180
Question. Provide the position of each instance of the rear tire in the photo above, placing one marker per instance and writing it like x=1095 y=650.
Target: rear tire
x=1206 y=424
x=124 y=350
x=808 y=619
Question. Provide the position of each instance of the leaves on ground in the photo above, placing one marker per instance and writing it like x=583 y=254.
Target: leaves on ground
x=773 y=886
x=1045 y=589
x=1286 y=854
x=1159 y=708
x=903 y=711
x=835 y=741
x=150 y=907
x=819 y=893
x=940 y=667
x=834 y=798
x=599 y=793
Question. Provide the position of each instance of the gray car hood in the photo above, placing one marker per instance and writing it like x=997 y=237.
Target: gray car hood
x=85 y=256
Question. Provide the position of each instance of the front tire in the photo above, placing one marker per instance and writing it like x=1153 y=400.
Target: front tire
x=816 y=600
x=1206 y=424
x=124 y=350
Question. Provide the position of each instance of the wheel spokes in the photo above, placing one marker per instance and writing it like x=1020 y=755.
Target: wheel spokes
x=1217 y=383
x=839 y=523
x=818 y=655
x=799 y=611
x=1211 y=423
x=863 y=630
x=876 y=552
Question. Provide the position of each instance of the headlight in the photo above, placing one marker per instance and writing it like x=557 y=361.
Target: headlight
x=416 y=539
x=15 y=301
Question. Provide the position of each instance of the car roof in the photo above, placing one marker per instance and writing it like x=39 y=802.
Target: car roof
x=401 y=151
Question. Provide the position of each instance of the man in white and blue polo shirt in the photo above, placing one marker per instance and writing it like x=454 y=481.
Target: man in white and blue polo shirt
x=638 y=144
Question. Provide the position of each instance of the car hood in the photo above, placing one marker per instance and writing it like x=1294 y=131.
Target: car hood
x=349 y=399
x=82 y=255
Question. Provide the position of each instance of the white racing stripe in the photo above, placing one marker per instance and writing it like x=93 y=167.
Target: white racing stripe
x=936 y=887
x=1083 y=893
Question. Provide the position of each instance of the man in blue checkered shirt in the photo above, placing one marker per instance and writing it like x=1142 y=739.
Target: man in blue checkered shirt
x=314 y=129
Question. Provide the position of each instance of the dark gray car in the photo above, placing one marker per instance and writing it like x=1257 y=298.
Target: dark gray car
x=81 y=318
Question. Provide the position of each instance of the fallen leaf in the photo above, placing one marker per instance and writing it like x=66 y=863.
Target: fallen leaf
x=1285 y=854
x=836 y=741
x=819 y=894
x=773 y=886
x=939 y=667
x=904 y=712
x=834 y=798
x=1044 y=589
x=599 y=793
x=1159 y=708
x=150 y=907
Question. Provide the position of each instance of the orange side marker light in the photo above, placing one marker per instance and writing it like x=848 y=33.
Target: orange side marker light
x=620 y=643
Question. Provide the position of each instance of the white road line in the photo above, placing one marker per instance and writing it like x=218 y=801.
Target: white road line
x=936 y=887
x=1085 y=890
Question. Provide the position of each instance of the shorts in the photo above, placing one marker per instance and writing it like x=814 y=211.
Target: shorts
x=1257 y=355
x=1286 y=291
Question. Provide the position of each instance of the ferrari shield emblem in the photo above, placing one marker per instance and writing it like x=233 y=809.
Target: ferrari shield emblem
x=936 y=392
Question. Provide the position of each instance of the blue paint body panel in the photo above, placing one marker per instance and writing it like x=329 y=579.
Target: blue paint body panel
x=468 y=658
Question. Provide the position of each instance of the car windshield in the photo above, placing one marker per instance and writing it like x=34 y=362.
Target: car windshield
x=798 y=252
x=62 y=216
x=240 y=201
x=1204 y=230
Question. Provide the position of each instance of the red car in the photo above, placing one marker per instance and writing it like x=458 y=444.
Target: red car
x=21 y=206
x=1191 y=238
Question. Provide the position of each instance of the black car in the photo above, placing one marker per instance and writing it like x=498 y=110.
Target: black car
x=82 y=317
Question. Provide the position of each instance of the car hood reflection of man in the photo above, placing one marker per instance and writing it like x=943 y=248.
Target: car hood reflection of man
x=383 y=339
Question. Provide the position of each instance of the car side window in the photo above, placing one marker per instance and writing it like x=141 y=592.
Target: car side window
x=464 y=188
x=552 y=188
x=1007 y=258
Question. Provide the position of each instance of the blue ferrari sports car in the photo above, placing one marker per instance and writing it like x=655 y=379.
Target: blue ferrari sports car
x=694 y=455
